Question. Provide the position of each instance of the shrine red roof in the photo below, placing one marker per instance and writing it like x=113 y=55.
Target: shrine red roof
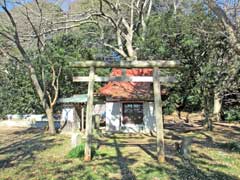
x=129 y=90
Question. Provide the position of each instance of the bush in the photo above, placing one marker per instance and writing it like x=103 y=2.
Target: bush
x=234 y=146
x=78 y=151
x=231 y=146
x=232 y=115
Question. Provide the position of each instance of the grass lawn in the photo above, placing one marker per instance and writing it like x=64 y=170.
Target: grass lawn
x=32 y=154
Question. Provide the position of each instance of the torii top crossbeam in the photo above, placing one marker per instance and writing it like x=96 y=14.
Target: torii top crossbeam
x=156 y=88
x=127 y=64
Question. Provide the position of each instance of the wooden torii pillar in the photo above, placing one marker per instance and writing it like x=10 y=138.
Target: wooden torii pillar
x=126 y=64
x=158 y=115
x=87 y=153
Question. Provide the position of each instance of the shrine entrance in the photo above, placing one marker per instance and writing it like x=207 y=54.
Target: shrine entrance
x=156 y=79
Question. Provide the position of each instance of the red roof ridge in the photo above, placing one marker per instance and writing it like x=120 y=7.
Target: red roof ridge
x=132 y=72
x=129 y=90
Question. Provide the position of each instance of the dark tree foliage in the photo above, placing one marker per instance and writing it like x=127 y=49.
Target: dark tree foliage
x=208 y=63
x=17 y=94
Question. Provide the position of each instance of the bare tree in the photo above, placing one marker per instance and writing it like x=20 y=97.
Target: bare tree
x=126 y=19
x=31 y=27
x=228 y=13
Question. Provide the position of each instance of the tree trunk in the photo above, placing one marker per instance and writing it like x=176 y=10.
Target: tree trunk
x=82 y=118
x=210 y=124
x=132 y=54
x=179 y=114
x=48 y=107
x=229 y=26
x=217 y=107
x=87 y=153
x=208 y=118
x=41 y=95
x=185 y=147
x=158 y=115
x=51 y=125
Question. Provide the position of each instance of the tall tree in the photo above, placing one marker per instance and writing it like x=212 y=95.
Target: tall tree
x=228 y=14
x=126 y=19
x=41 y=23
x=209 y=63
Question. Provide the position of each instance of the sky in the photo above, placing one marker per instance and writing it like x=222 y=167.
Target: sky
x=64 y=4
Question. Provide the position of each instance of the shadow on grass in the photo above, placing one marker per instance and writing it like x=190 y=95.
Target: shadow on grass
x=178 y=168
x=105 y=165
x=201 y=166
x=198 y=169
x=118 y=165
x=27 y=143
x=186 y=171
x=209 y=142
x=122 y=162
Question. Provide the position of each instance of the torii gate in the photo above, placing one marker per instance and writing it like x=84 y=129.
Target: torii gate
x=126 y=64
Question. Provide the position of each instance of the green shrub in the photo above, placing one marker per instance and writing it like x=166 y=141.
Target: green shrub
x=231 y=146
x=78 y=151
x=232 y=114
x=234 y=146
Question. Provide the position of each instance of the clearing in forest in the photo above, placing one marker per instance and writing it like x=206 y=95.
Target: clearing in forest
x=32 y=154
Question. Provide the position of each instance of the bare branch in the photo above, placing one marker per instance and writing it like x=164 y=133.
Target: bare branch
x=125 y=23
x=220 y=13
x=7 y=54
x=119 y=40
x=49 y=96
x=16 y=35
x=60 y=29
x=104 y=15
x=39 y=41
x=122 y=53
x=7 y=36
x=112 y=6
x=55 y=85
x=43 y=81
x=132 y=14
x=229 y=26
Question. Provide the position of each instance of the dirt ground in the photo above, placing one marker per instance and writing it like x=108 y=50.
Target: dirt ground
x=33 y=154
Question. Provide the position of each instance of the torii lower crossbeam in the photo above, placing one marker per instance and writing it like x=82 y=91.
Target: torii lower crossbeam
x=126 y=64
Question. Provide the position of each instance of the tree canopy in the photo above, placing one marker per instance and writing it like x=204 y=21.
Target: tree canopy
x=38 y=41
